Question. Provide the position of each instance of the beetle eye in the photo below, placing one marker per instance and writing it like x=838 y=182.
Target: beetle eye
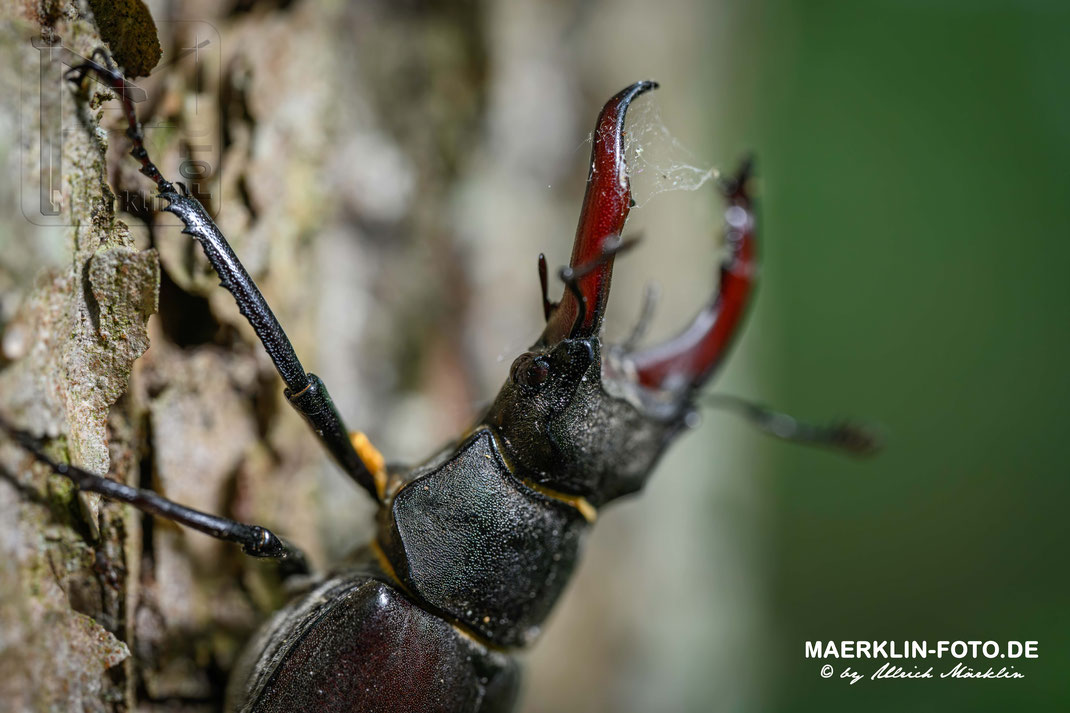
x=530 y=372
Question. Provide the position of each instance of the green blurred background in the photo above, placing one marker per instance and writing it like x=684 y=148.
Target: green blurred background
x=410 y=159
x=915 y=157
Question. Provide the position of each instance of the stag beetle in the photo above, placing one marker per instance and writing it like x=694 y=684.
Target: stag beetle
x=474 y=546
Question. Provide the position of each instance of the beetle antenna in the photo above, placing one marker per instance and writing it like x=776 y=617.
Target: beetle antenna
x=547 y=305
x=571 y=275
x=853 y=438
x=572 y=283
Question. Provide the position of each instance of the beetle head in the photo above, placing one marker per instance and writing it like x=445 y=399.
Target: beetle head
x=581 y=418
x=564 y=430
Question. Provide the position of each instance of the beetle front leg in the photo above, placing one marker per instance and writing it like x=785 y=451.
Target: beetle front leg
x=305 y=392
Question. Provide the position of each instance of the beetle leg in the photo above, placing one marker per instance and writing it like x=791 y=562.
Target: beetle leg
x=845 y=436
x=115 y=81
x=305 y=392
x=686 y=361
x=255 y=540
x=605 y=208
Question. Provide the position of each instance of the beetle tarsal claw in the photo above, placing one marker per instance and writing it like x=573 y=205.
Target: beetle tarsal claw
x=266 y=544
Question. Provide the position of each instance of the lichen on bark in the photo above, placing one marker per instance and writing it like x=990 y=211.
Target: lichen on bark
x=69 y=347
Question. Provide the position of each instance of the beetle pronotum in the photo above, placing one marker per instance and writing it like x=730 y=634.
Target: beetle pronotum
x=474 y=546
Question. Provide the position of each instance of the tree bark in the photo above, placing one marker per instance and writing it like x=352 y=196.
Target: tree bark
x=106 y=609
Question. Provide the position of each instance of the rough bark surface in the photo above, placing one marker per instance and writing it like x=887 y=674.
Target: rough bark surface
x=71 y=343
x=104 y=609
